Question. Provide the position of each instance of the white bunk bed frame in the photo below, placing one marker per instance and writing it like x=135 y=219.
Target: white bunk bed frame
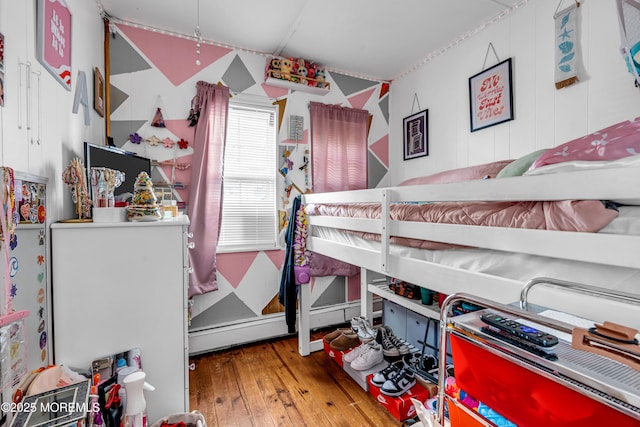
x=598 y=184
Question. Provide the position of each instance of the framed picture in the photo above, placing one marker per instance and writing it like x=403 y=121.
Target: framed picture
x=1 y=89
x=416 y=135
x=53 y=41
x=1 y=70
x=491 y=96
x=98 y=92
x=1 y=52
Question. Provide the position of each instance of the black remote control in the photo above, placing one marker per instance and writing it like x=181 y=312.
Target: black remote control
x=527 y=333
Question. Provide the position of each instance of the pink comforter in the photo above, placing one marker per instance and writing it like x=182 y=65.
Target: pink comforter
x=568 y=215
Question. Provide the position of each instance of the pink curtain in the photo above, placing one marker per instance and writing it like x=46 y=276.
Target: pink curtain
x=339 y=162
x=205 y=192
x=338 y=147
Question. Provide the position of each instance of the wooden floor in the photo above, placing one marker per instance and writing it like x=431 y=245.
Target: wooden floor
x=270 y=384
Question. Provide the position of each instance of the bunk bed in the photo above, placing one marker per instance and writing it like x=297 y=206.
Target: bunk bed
x=489 y=261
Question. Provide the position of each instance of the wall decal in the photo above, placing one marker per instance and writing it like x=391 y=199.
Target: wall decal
x=82 y=97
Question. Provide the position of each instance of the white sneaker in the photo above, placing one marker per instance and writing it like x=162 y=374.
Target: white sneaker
x=364 y=329
x=399 y=384
x=353 y=354
x=369 y=332
x=369 y=358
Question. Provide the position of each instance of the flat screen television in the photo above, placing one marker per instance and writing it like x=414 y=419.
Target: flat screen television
x=115 y=158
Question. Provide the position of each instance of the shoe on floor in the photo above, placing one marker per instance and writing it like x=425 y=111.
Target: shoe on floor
x=370 y=357
x=353 y=354
x=388 y=349
x=345 y=341
x=397 y=342
x=399 y=384
x=363 y=327
x=386 y=374
x=335 y=334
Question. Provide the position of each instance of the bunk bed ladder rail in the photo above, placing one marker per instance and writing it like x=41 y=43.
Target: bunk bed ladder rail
x=385 y=223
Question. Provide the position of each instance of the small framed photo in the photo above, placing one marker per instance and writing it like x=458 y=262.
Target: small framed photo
x=416 y=135
x=491 y=96
x=98 y=92
x=1 y=89
x=1 y=52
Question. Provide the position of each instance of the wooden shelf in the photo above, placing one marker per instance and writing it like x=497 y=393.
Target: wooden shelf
x=432 y=311
x=287 y=84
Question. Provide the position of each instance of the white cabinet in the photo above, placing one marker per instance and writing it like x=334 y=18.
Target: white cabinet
x=118 y=286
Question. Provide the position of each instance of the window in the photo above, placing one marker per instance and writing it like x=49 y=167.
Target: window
x=249 y=220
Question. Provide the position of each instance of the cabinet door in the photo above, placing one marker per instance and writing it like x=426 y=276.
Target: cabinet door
x=121 y=287
x=30 y=290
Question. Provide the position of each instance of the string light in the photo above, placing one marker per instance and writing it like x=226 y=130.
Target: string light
x=197 y=37
x=198 y=34
x=460 y=39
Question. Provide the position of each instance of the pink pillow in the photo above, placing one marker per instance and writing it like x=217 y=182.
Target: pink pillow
x=611 y=143
x=487 y=170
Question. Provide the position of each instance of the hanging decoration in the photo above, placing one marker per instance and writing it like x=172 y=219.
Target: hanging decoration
x=567 y=52
x=183 y=144
x=287 y=164
x=74 y=176
x=135 y=138
x=301 y=255
x=8 y=204
x=194 y=112
x=158 y=120
x=629 y=21
x=305 y=168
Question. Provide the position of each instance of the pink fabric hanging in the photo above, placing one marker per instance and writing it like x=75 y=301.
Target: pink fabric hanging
x=205 y=195
x=339 y=162
x=339 y=147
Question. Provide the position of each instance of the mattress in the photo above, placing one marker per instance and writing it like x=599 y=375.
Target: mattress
x=516 y=266
x=565 y=215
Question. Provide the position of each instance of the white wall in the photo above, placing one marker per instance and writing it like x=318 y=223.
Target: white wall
x=544 y=117
x=61 y=133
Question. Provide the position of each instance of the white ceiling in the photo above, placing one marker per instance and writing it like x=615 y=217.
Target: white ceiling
x=378 y=39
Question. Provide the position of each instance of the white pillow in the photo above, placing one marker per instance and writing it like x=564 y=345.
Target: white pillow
x=586 y=165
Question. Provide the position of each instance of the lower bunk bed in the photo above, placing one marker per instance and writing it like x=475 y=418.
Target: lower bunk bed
x=488 y=261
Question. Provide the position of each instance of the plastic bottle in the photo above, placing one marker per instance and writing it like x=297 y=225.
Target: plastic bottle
x=135 y=412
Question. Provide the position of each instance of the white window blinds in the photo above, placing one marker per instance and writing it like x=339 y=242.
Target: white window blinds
x=249 y=220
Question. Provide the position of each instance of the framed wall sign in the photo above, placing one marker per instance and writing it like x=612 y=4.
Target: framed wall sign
x=53 y=42
x=98 y=91
x=1 y=70
x=415 y=129
x=491 y=96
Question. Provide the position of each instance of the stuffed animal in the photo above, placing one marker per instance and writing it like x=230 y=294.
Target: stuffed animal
x=274 y=68
x=301 y=72
x=285 y=68
x=311 y=73
x=320 y=77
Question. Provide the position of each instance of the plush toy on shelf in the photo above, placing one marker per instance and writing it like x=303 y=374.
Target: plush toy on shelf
x=296 y=70
x=274 y=68
x=285 y=68
x=311 y=73
x=320 y=82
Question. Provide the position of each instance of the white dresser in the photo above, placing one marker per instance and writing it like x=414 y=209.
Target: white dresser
x=117 y=286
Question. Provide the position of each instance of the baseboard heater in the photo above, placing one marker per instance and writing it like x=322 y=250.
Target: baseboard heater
x=274 y=326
